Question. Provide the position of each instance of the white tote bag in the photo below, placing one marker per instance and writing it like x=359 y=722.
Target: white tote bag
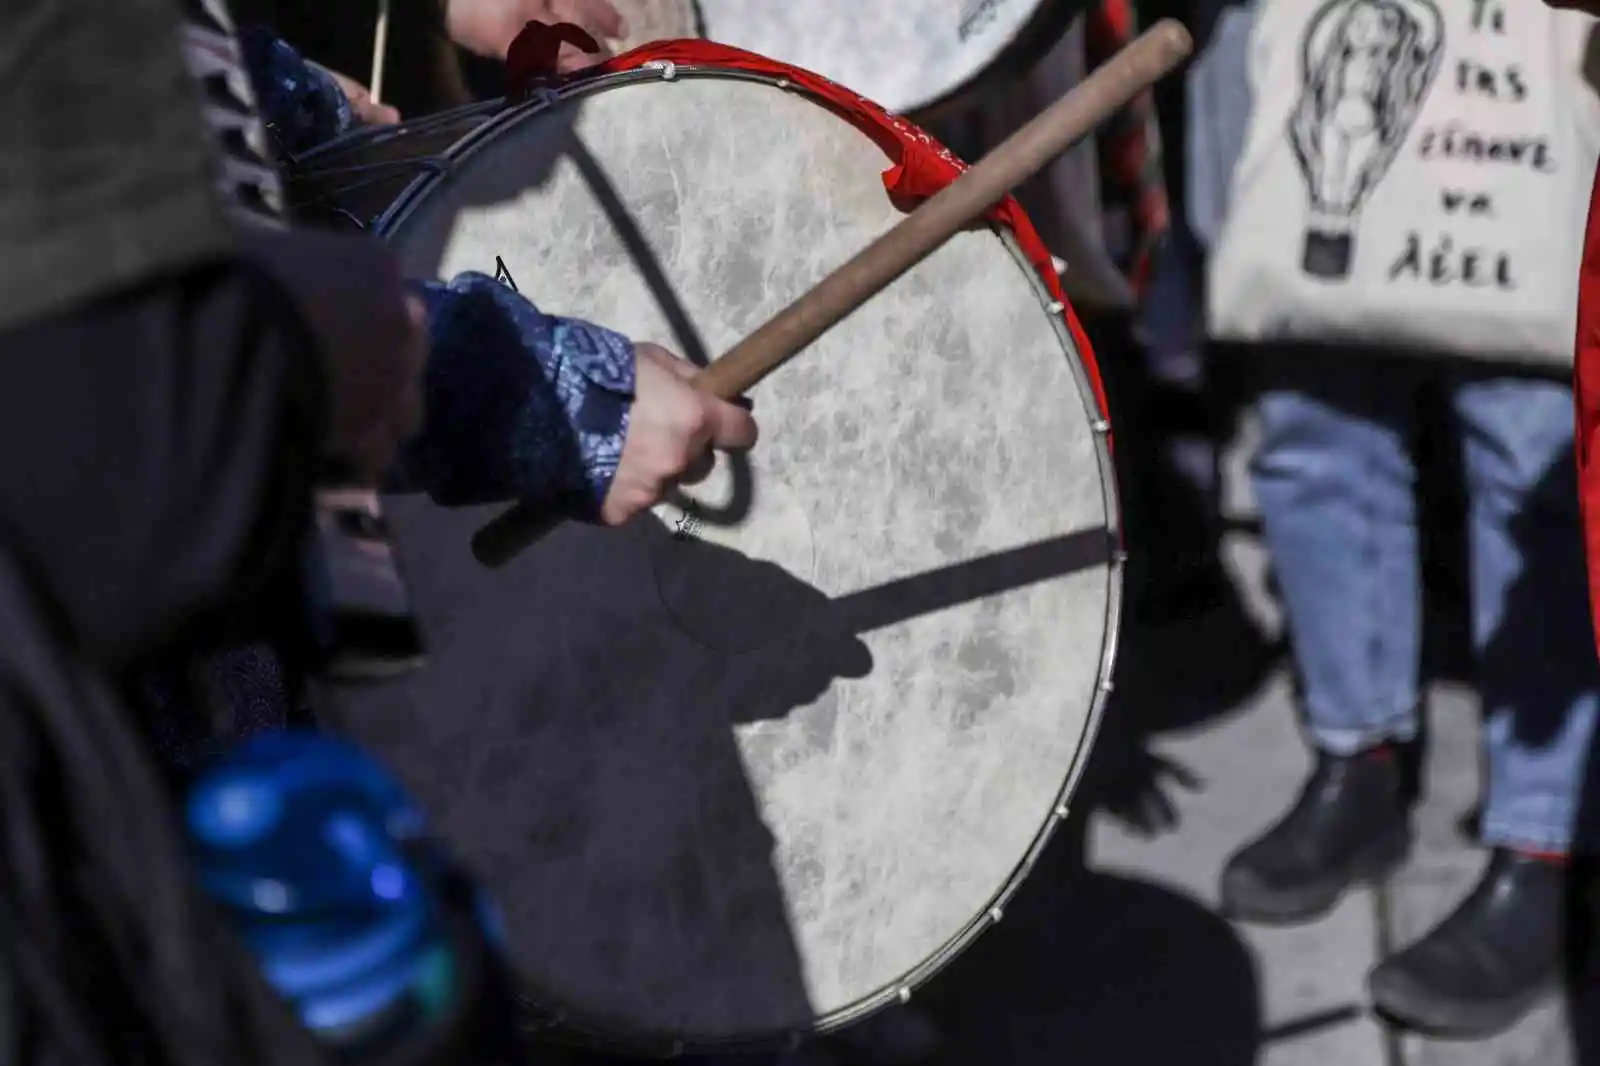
x=1415 y=176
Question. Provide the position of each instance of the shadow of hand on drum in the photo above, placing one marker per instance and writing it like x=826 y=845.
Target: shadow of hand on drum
x=791 y=640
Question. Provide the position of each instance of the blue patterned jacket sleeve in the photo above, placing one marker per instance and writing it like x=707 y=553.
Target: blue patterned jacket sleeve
x=519 y=404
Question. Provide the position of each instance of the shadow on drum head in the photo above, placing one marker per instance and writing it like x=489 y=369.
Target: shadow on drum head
x=355 y=179
x=577 y=749
x=601 y=767
x=687 y=339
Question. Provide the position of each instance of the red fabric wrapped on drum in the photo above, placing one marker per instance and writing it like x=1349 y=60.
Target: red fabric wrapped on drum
x=1586 y=393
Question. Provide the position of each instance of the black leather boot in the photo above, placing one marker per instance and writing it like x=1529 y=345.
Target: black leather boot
x=1486 y=965
x=1351 y=824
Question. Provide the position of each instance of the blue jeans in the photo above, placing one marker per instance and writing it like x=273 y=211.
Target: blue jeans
x=1334 y=480
x=1219 y=103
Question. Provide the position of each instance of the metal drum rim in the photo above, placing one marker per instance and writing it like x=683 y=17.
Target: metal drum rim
x=591 y=1030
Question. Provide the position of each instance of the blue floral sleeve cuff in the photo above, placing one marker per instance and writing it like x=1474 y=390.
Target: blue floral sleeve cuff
x=520 y=404
x=300 y=103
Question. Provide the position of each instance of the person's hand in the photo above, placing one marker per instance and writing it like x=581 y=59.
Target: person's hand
x=1588 y=7
x=671 y=430
x=368 y=112
x=370 y=332
x=487 y=27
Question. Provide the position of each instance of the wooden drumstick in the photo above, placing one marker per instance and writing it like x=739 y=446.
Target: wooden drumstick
x=380 y=49
x=1152 y=56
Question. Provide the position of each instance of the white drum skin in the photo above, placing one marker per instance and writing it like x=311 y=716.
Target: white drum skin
x=758 y=764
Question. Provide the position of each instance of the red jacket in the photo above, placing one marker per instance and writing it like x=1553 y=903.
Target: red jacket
x=1586 y=374
x=1586 y=392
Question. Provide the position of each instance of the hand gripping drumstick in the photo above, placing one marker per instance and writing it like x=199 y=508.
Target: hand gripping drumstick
x=1022 y=155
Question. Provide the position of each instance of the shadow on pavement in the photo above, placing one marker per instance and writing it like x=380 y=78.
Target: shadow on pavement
x=1090 y=967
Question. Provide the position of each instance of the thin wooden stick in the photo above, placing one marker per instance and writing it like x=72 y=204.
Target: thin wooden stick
x=380 y=49
x=1149 y=58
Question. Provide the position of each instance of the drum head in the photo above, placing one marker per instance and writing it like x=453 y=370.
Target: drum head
x=758 y=763
x=905 y=55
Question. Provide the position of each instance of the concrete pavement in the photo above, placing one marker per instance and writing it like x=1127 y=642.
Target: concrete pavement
x=1249 y=761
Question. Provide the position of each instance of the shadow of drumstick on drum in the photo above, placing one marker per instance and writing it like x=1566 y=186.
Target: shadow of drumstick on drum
x=686 y=337
x=523 y=164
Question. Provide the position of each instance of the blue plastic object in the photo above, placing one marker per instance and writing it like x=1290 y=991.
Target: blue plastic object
x=318 y=856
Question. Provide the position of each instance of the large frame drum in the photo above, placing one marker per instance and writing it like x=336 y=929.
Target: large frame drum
x=761 y=763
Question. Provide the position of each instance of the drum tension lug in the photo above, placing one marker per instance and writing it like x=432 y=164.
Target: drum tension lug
x=995 y=914
x=1056 y=307
x=668 y=69
x=1062 y=810
x=904 y=995
x=1101 y=426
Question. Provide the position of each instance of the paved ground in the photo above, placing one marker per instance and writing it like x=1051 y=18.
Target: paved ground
x=1248 y=760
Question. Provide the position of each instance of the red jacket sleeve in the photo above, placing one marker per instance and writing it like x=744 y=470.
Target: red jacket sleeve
x=1586 y=394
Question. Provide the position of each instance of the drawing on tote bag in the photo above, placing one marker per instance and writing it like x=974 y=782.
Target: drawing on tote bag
x=1366 y=66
